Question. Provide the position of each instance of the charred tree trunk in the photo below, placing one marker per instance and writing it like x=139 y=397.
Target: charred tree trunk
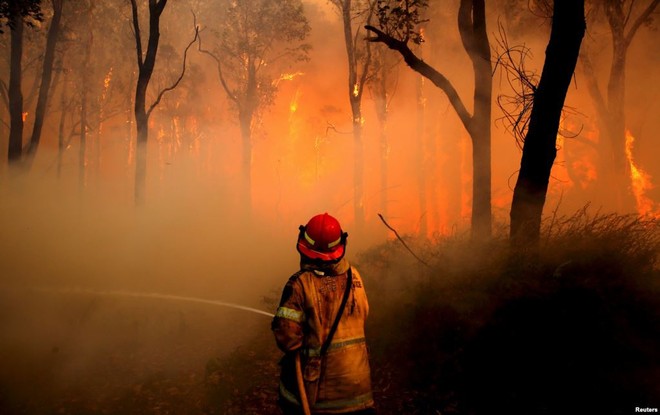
x=539 y=149
x=15 y=93
x=472 y=28
x=145 y=70
x=46 y=77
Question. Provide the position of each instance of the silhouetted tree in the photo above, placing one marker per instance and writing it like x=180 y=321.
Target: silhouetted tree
x=539 y=148
x=257 y=40
x=146 y=62
x=18 y=14
x=397 y=28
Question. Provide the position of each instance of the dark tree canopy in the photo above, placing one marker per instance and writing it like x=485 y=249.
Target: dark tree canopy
x=24 y=8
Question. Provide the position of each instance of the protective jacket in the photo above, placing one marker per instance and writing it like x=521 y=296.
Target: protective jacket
x=340 y=380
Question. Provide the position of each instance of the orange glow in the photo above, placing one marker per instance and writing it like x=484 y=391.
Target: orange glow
x=25 y=115
x=356 y=89
x=640 y=182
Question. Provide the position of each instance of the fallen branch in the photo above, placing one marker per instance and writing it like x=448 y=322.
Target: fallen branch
x=402 y=241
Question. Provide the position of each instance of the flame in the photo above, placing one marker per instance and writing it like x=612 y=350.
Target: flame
x=290 y=76
x=25 y=115
x=356 y=89
x=286 y=77
x=641 y=183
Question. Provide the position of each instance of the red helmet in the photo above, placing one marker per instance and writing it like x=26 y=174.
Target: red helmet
x=322 y=239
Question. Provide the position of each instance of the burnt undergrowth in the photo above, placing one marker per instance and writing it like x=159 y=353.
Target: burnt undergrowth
x=482 y=330
x=485 y=330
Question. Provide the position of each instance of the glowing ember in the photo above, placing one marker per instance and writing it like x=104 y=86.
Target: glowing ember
x=293 y=106
x=356 y=89
x=25 y=115
x=640 y=181
x=106 y=84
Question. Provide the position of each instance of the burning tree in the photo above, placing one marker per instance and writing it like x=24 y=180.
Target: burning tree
x=624 y=19
x=255 y=40
x=397 y=28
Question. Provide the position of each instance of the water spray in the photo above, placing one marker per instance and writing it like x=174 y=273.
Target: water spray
x=156 y=295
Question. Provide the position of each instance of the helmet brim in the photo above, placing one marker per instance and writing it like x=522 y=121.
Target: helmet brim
x=334 y=255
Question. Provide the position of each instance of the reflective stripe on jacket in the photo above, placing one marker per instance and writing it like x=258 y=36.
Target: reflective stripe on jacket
x=340 y=381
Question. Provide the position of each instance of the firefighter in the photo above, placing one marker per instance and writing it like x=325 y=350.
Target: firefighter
x=319 y=325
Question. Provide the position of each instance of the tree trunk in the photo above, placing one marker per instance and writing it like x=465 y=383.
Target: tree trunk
x=46 y=77
x=355 y=90
x=422 y=171
x=84 y=106
x=245 y=117
x=380 y=92
x=60 y=133
x=15 y=92
x=384 y=148
x=142 y=125
x=82 y=150
x=539 y=149
x=358 y=165
x=146 y=68
x=472 y=28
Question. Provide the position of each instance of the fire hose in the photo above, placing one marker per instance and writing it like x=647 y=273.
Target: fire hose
x=301 y=386
x=299 y=377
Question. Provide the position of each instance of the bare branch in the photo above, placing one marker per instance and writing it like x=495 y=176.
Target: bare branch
x=424 y=69
x=516 y=108
x=225 y=86
x=640 y=20
x=402 y=241
x=183 y=70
